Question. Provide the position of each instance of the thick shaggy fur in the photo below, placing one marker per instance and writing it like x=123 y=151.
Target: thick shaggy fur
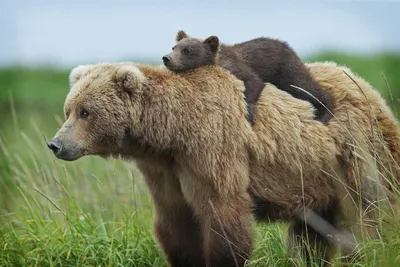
x=254 y=62
x=366 y=141
x=208 y=171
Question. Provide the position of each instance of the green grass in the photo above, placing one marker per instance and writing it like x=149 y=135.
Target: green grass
x=97 y=212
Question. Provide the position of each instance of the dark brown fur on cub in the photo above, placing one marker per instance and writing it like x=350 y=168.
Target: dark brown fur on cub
x=255 y=62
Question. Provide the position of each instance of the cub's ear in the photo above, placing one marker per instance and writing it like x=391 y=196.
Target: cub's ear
x=77 y=73
x=181 y=35
x=129 y=78
x=213 y=43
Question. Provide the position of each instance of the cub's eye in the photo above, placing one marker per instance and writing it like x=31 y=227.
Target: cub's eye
x=173 y=48
x=84 y=113
x=185 y=50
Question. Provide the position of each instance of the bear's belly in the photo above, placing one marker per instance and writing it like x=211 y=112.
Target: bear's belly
x=278 y=193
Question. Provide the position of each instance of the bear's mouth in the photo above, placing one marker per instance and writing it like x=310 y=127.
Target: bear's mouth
x=173 y=68
x=169 y=65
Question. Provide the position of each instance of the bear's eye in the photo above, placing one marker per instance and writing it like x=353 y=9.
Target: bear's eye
x=84 y=113
x=185 y=50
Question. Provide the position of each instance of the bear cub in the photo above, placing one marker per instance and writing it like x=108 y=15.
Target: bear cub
x=255 y=62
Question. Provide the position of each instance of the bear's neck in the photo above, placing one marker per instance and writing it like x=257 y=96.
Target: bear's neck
x=225 y=57
x=135 y=147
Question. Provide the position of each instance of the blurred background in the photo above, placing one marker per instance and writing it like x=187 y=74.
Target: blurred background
x=42 y=40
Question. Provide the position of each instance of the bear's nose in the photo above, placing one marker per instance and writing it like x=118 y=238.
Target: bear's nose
x=55 y=145
x=166 y=58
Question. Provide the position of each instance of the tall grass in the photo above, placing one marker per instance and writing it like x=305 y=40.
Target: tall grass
x=97 y=212
x=94 y=212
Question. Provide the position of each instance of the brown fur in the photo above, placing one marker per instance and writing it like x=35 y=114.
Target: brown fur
x=254 y=62
x=207 y=169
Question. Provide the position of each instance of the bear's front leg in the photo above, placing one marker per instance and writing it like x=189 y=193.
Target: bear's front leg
x=179 y=235
x=254 y=86
x=176 y=227
x=227 y=233
x=225 y=221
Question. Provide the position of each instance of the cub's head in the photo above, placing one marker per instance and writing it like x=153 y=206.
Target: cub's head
x=97 y=109
x=190 y=53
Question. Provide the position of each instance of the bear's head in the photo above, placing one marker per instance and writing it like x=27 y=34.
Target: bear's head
x=190 y=53
x=98 y=111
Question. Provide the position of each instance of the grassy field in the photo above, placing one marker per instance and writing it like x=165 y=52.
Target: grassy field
x=96 y=212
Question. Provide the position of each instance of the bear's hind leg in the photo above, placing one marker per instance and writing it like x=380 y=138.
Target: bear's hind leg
x=313 y=93
x=310 y=243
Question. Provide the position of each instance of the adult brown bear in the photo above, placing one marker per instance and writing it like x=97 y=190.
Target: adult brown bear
x=206 y=167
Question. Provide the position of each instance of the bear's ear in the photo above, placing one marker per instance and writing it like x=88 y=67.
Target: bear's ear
x=77 y=73
x=129 y=78
x=181 y=35
x=213 y=43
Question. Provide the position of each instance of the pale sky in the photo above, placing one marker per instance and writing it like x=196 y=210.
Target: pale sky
x=67 y=33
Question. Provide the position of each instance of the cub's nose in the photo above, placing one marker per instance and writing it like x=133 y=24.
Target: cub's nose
x=55 y=145
x=166 y=58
